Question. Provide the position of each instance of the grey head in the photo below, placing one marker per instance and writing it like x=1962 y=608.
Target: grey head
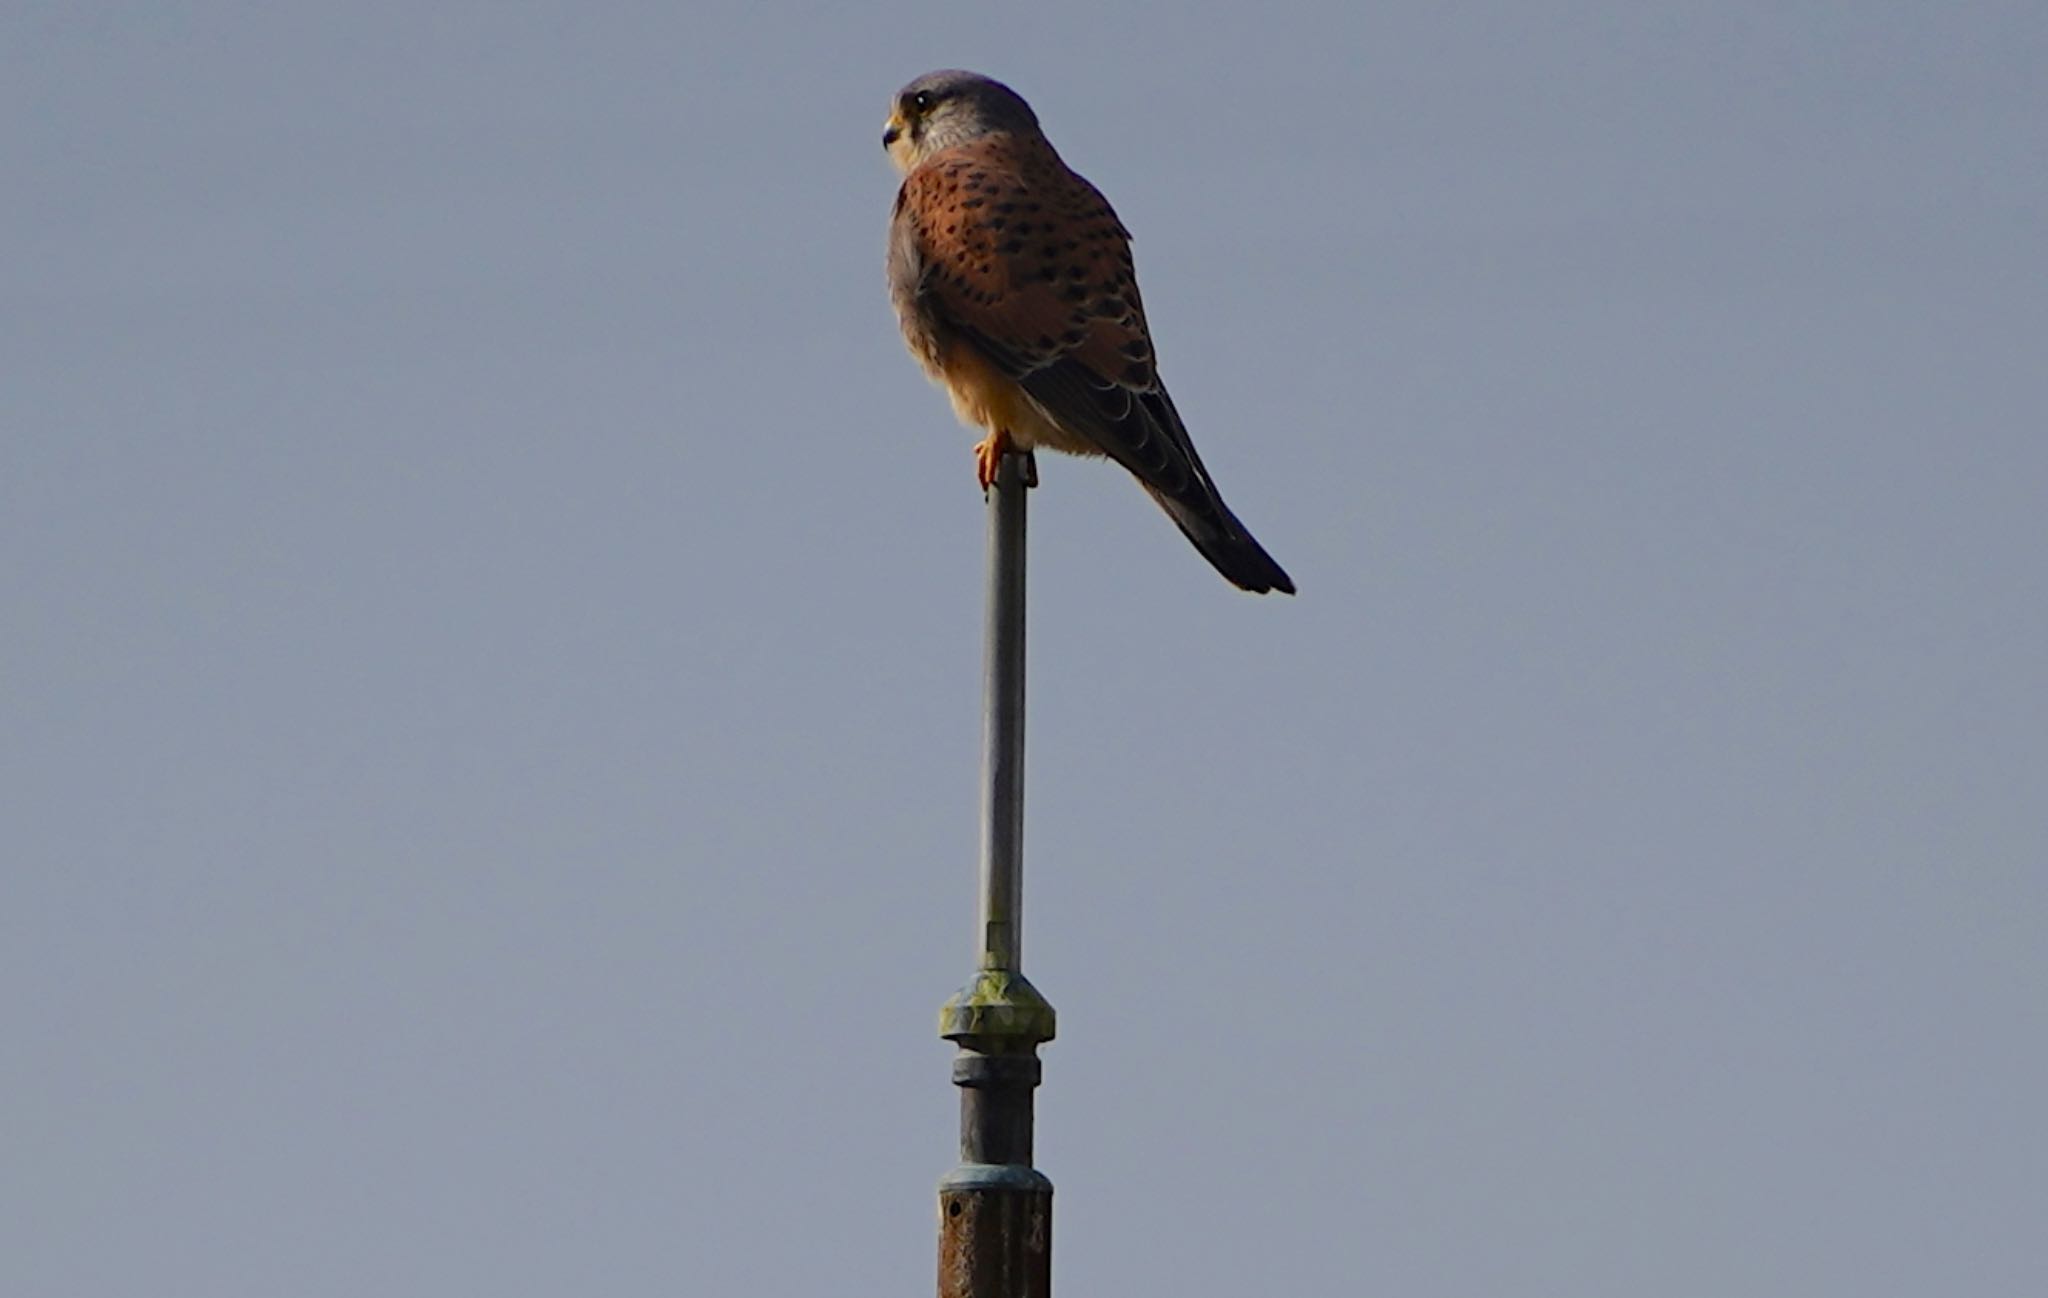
x=942 y=109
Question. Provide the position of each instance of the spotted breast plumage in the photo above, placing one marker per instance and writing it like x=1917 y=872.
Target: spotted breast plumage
x=1013 y=281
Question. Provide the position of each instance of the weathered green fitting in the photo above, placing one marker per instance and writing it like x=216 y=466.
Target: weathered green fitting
x=998 y=1004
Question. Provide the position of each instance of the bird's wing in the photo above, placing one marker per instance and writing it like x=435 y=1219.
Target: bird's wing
x=1012 y=251
x=1027 y=261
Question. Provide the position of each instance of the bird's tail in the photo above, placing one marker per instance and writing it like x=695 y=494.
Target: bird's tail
x=1204 y=519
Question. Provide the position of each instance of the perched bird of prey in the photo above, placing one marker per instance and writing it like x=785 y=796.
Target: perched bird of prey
x=1012 y=279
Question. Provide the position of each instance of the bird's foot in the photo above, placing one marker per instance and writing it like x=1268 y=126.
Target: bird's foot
x=988 y=457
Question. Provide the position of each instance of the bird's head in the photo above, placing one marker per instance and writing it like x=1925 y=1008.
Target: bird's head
x=942 y=109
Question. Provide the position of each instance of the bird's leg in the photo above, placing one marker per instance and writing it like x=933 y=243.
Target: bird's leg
x=988 y=456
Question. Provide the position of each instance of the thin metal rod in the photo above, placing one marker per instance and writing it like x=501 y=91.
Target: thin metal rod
x=1002 y=722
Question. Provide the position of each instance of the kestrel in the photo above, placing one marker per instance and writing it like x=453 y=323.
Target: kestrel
x=1012 y=279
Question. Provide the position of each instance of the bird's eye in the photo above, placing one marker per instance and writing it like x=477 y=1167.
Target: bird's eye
x=922 y=101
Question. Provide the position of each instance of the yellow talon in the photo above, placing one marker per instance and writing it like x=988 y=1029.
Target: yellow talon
x=988 y=457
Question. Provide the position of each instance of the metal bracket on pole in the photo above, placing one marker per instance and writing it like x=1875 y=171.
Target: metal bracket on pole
x=995 y=1209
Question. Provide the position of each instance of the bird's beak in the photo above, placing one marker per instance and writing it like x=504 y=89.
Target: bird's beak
x=892 y=130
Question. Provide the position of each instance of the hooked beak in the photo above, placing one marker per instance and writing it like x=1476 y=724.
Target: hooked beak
x=892 y=131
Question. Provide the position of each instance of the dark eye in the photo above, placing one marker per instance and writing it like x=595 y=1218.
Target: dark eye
x=922 y=101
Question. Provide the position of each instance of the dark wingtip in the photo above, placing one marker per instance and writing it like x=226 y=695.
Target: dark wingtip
x=1242 y=561
x=1248 y=567
x=1225 y=543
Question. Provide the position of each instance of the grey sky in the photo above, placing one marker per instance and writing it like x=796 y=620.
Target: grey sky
x=491 y=651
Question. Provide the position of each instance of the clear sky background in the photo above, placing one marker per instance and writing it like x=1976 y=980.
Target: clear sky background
x=489 y=721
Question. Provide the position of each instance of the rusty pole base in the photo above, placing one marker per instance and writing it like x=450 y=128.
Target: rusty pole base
x=995 y=1208
x=995 y=1232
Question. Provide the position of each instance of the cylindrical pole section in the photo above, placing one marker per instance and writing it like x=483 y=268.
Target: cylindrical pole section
x=995 y=1209
x=1002 y=723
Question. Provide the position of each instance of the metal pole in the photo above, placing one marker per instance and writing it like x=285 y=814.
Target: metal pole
x=1002 y=723
x=995 y=1209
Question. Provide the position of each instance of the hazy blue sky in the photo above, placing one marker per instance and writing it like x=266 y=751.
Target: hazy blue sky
x=488 y=694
